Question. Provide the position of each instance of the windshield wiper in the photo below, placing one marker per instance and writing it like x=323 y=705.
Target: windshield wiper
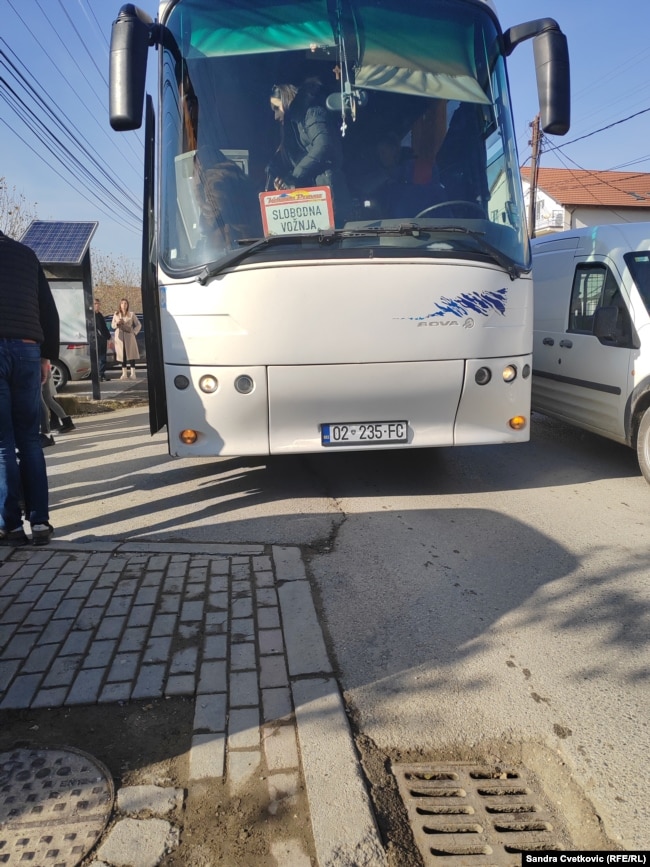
x=324 y=237
x=235 y=256
x=327 y=236
x=493 y=252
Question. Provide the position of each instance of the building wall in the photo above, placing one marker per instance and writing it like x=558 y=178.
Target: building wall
x=593 y=216
x=551 y=216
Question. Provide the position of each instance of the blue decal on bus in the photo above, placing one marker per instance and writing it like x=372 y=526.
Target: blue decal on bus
x=482 y=303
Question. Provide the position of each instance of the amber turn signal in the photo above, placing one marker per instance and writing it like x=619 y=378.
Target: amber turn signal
x=517 y=422
x=189 y=437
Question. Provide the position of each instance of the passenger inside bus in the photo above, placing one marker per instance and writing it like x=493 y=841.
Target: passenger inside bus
x=427 y=163
x=462 y=158
x=309 y=153
x=393 y=187
x=228 y=203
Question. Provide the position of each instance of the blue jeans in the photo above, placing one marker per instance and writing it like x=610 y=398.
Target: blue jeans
x=22 y=464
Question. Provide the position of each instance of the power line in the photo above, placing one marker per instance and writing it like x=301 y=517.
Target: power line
x=40 y=133
x=563 y=157
x=93 y=201
x=596 y=131
x=123 y=140
x=58 y=120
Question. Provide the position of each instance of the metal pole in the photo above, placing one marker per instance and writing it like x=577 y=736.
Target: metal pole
x=534 y=169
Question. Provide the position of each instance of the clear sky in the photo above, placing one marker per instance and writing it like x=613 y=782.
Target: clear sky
x=57 y=51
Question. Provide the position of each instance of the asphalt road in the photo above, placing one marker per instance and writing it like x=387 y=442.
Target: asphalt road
x=492 y=597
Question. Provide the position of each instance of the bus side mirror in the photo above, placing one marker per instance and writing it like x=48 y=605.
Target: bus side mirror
x=130 y=39
x=552 y=68
x=553 y=81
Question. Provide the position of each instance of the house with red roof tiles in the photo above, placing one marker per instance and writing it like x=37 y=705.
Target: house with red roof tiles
x=572 y=198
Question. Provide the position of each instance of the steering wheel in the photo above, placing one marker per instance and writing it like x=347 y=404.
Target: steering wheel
x=464 y=202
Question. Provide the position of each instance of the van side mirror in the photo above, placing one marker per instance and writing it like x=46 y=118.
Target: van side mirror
x=605 y=322
x=552 y=68
x=130 y=39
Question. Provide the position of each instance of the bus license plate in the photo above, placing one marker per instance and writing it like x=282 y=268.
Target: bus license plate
x=365 y=432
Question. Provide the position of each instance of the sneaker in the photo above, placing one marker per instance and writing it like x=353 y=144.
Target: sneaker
x=41 y=533
x=124 y=376
x=47 y=440
x=67 y=424
x=15 y=538
x=133 y=373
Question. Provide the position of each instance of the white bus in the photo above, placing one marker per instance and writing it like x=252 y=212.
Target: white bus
x=335 y=249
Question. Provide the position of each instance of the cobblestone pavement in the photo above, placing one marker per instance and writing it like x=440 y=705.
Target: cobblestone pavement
x=233 y=626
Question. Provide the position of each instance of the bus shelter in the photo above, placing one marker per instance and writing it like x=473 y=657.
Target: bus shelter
x=63 y=249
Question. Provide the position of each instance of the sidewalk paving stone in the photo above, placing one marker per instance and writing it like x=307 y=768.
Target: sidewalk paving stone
x=232 y=626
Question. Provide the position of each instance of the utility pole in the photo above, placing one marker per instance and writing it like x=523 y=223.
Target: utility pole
x=534 y=168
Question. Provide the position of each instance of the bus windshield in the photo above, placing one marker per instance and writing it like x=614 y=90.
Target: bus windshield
x=349 y=128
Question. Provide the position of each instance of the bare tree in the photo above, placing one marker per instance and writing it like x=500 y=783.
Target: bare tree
x=115 y=278
x=15 y=212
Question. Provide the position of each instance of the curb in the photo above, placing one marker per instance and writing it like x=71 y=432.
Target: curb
x=343 y=823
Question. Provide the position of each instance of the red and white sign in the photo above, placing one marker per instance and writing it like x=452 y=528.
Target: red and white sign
x=296 y=212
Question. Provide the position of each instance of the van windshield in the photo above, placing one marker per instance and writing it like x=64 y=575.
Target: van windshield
x=639 y=265
x=387 y=114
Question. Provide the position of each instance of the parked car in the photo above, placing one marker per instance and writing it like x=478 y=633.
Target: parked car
x=111 y=361
x=73 y=364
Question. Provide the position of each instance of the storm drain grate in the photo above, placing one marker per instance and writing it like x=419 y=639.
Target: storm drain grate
x=465 y=815
x=54 y=806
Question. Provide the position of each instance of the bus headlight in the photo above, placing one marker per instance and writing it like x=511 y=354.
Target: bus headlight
x=181 y=382
x=244 y=384
x=208 y=384
x=526 y=371
x=189 y=437
x=517 y=422
x=483 y=375
x=509 y=373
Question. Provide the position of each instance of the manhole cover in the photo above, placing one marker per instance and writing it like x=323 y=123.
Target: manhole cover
x=54 y=805
x=465 y=815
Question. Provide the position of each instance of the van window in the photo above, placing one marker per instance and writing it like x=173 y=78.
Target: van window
x=639 y=265
x=594 y=286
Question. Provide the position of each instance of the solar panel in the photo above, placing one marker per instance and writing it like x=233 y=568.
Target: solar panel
x=59 y=242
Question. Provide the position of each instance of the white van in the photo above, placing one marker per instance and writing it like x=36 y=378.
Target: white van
x=591 y=350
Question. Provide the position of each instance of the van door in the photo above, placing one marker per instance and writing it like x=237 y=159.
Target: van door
x=577 y=376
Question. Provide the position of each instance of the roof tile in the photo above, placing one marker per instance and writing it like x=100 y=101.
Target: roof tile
x=586 y=187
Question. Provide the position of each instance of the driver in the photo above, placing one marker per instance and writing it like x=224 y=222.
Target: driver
x=399 y=189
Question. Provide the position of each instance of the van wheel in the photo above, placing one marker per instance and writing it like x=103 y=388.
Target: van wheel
x=643 y=445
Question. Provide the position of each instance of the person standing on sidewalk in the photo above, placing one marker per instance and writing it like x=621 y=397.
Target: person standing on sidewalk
x=103 y=335
x=29 y=339
x=126 y=325
x=52 y=409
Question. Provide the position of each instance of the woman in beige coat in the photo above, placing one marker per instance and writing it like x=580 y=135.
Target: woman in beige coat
x=126 y=325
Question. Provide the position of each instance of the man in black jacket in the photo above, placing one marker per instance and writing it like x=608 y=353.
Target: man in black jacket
x=29 y=339
x=103 y=336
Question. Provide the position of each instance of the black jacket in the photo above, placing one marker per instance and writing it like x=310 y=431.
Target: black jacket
x=103 y=332
x=310 y=146
x=27 y=308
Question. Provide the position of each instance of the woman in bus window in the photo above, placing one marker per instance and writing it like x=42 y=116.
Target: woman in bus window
x=309 y=154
